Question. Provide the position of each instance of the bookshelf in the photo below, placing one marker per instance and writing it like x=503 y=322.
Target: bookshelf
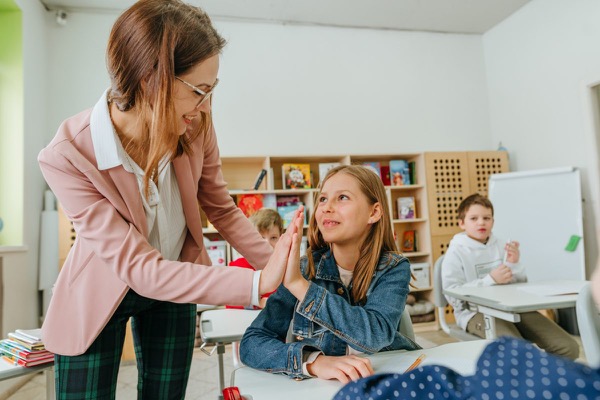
x=441 y=181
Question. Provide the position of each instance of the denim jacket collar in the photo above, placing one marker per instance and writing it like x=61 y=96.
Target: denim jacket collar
x=326 y=268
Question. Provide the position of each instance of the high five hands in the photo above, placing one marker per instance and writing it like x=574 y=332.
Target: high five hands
x=287 y=247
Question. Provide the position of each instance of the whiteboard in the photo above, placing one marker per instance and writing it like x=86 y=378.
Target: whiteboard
x=541 y=209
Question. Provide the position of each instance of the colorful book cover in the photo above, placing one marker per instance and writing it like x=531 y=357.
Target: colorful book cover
x=374 y=166
x=270 y=201
x=287 y=200
x=325 y=167
x=406 y=208
x=409 y=241
x=13 y=348
x=26 y=344
x=385 y=175
x=250 y=203
x=287 y=214
x=399 y=174
x=27 y=363
x=296 y=176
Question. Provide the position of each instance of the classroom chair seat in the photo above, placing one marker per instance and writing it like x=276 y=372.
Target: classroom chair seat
x=441 y=302
x=588 y=320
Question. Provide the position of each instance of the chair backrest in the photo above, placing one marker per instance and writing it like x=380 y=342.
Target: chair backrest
x=588 y=320
x=438 y=294
x=406 y=326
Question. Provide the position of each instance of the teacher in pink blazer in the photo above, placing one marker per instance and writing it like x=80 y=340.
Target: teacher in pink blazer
x=130 y=173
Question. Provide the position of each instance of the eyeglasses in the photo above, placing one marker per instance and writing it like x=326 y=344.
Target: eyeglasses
x=201 y=93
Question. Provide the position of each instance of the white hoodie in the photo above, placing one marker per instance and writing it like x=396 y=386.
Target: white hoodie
x=468 y=263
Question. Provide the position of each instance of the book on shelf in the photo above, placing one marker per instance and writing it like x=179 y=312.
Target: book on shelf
x=409 y=241
x=250 y=203
x=287 y=200
x=296 y=176
x=287 y=213
x=325 y=167
x=270 y=201
x=374 y=166
x=259 y=179
x=412 y=172
x=385 y=175
x=399 y=174
x=406 y=207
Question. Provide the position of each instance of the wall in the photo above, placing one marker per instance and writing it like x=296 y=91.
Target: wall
x=538 y=64
x=307 y=90
x=11 y=127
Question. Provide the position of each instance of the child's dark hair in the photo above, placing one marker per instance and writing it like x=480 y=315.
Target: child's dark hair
x=473 y=199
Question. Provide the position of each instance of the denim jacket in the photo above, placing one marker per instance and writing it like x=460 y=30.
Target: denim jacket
x=328 y=319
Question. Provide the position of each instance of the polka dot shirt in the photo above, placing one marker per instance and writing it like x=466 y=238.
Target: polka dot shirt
x=507 y=369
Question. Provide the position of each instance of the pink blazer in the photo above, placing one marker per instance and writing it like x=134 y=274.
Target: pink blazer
x=111 y=252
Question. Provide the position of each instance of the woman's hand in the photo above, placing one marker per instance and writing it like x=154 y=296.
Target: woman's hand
x=501 y=274
x=272 y=275
x=342 y=368
x=512 y=252
x=293 y=279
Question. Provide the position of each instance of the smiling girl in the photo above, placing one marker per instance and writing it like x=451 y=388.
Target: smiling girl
x=345 y=298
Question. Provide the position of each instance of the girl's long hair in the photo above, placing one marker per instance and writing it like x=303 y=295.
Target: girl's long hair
x=380 y=238
x=150 y=43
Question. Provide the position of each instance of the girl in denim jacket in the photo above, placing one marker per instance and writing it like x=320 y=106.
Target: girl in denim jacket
x=345 y=298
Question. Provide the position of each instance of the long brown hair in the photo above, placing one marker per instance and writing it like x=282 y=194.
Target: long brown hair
x=150 y=43
x=380 y=238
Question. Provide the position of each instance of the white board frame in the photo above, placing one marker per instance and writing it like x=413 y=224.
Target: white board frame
x=541 y=209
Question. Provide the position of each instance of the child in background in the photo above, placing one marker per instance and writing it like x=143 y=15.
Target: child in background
x=346 y=297
x=476 y=257
x=269 y=224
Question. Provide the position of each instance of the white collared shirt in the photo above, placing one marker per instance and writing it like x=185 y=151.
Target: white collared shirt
x=164 y=213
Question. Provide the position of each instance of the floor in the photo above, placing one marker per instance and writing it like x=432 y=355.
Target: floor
x=203 y=383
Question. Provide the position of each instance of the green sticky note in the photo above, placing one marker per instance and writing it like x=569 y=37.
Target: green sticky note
x=573 y=242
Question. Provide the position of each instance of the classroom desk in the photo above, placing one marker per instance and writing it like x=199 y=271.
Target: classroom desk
x=221 y=327
x=461 y=356
x=8 y=371
x=508 y=301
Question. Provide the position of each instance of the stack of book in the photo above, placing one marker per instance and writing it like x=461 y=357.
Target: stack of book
x=25 y=348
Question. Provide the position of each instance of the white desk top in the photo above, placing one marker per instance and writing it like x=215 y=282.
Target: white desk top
x=225 y=325
x=461 y=356
x=8 y=370
x=521 y=297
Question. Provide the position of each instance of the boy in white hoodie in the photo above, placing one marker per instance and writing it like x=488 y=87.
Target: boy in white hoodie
x=476 y=257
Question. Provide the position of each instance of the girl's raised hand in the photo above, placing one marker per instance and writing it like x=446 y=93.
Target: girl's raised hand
x=273 y=273
x=342 y=368
x=293 y=279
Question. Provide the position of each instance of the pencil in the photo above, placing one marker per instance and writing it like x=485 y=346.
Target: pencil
x=416 y=363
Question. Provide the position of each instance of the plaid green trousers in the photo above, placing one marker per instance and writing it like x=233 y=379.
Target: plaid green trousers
x=163 y=335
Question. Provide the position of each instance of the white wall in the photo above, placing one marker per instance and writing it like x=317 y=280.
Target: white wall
x=538 y=63
x=308 y=90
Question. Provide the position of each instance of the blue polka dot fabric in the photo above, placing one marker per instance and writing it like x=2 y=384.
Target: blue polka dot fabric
x=507 y=369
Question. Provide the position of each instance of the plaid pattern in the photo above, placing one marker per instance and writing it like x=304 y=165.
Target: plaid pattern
x=163 y=334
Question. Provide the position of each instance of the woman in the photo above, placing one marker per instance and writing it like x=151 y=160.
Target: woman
x=129 y=174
